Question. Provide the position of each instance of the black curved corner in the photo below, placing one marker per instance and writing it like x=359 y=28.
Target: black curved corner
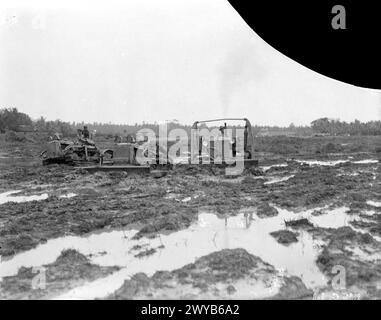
x=302 y=30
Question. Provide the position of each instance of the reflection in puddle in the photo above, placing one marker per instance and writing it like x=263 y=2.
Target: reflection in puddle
x=209 y=234
x=7 y=197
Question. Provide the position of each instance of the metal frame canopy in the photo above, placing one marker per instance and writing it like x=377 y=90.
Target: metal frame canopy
x=249 y=140
x=222 y=119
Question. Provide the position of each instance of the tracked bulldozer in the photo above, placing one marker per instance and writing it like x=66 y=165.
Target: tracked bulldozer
x=208 y=148
x=124 y=156
x=79 y=152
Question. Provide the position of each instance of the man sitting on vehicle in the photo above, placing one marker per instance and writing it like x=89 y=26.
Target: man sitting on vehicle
x=130 y=139
x=86 y=133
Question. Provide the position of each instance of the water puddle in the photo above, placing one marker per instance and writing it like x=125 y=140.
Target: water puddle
x=68 y=196
x=354 y=174
x=376 y=204
x=181 y=160
x=368 y=161
x=353 y=294
x=209 y=234
x=281 y=165
x=313 y=163
x=10 y=197
x=365 y=256
x=278 y=180
x=332 y=163
x=8 y=156
x=335 y=219
x=177 y=197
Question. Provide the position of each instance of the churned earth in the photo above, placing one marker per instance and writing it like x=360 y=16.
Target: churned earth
x=284 y=230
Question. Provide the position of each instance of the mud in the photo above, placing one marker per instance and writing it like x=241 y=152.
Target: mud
x=226 y=274
x=360 y=256
x=265 y=210
x=299 y=224
x=331 y=201
x=70 y=270
x=285 y=237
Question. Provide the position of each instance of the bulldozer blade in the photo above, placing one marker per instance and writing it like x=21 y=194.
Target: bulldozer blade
x=128 y=169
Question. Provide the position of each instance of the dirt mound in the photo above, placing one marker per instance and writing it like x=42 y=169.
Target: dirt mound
x=360 y=275
x=285 y=237
x=265 y=211
x=70 y=270
x=220 y=275
x=299 y=224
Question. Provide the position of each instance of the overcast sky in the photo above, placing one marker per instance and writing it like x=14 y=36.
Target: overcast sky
x=150 y=60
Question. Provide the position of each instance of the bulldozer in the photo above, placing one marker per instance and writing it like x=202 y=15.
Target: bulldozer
x=124 y=156
x=79 y=152
x=208 y=149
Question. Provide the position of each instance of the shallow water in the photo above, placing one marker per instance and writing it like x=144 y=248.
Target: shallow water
x=332 y=163
x=281 y=165
x=368 y=161
x=321 y=163
x=278 y=180
x=68 y=196
x=209 y=234
x=365 y=256
x=374 y=203
x=8 y=197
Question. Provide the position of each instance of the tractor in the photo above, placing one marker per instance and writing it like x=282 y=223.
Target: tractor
x=79 y=152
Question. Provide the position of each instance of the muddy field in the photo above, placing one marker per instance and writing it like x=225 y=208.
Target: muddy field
x=281 y=231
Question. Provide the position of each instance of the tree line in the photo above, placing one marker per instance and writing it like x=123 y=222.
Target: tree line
x=13 y=120
x=337 y=127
